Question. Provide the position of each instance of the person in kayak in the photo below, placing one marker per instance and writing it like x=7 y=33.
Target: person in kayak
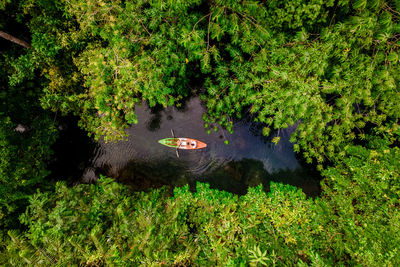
x=194 y=144
x=183 y=144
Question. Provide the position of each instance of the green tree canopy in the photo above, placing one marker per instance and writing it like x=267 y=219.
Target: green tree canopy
x=355 y=222
x=26 y=134
x=332 y=66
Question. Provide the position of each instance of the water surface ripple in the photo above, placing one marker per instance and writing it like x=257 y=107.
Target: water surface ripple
x=248 y=160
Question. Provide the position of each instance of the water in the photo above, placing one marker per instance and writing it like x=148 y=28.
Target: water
x=248 y=160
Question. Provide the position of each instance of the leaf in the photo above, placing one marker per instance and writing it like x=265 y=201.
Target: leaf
x=393 y=57
x=360 y=4
x=266 y=131
x=276 y=140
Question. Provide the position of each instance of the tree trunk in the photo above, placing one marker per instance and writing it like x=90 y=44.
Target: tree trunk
x=14 y=39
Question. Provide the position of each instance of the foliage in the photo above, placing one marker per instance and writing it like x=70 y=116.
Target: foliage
x=105 y=224
x=26 y=131
x=26 y=134
x=355 y=222
x=361 y=211
x=331 y=66
x=107 y=56
x=334 y=79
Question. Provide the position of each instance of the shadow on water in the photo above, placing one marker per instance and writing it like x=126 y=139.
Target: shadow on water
x=142 y=175
x=234 y=177
x=154 y=119
x=73 y=151
x=237 y=176
x=249 y=159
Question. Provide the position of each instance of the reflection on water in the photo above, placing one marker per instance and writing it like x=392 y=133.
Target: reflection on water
x=248 y=160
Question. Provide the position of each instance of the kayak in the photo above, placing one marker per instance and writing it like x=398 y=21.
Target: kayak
x=182 y=143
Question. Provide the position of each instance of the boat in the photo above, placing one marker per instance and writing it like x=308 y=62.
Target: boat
x=182 y=143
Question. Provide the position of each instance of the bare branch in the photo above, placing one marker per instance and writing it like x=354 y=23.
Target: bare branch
x=14 y=39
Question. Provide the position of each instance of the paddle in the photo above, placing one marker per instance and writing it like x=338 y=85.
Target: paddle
x=173 y=135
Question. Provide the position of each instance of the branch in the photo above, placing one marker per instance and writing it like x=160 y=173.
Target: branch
x=209 y=14
x=14 y=39
x=208 y=34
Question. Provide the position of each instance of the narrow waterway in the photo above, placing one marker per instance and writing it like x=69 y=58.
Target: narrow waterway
x=248 y=160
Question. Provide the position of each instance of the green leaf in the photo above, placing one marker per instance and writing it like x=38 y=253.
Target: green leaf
x=393 y=57
x=276 y=140
x=360 y=4
x=266 y=131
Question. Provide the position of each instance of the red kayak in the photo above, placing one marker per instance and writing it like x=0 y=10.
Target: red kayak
x=183 y=143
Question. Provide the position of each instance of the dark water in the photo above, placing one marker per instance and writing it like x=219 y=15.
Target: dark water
x=248 y=160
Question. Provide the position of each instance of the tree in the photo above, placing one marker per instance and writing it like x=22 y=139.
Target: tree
x=332 y=67
x=334 y=76
x=26 y=132
x=355 y=221
x=359 y=211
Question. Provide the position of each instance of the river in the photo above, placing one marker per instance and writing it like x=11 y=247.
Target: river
x=141 y=162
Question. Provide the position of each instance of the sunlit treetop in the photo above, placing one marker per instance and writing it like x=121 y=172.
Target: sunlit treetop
x=331 y=66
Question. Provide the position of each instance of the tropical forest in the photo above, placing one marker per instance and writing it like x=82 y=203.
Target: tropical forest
x=199 y=133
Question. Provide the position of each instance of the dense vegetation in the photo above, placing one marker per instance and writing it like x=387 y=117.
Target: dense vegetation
x=106 y=224
x=26 y=134
x=333 y=67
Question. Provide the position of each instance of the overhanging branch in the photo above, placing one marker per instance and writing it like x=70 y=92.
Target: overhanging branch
x=14 y=39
